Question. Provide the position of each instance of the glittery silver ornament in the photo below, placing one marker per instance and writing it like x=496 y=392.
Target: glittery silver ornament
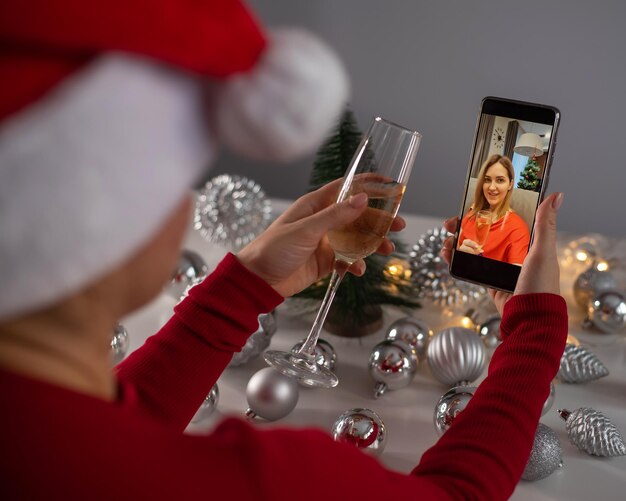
x=412 y=331
x=450 y=405
x=489 y=331
x=258 y=341
x=592 y=432
x=363 y=428
x=231 y=211
x=190 y=270
x=607 y=312
x=590 y=283
x=546 y=455
x=431 y=275
x=456 y=355
x=392 y=364
x=580 y=366
x=119 y=343
x=550 y=400
x=208 y=405
x=271 y=395
x=325 y=354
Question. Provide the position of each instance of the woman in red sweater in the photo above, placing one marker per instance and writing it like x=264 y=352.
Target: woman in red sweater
x=508 y=237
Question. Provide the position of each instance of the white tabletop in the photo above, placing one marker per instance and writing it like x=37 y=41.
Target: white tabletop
x=408 y=412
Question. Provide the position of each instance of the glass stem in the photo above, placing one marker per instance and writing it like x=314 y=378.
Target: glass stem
x=339 y=271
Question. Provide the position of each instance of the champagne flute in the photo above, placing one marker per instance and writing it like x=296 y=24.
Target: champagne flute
x=483 y=225
x=380 y=167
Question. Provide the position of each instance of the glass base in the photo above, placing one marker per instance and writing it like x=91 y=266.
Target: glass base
x=302 y=367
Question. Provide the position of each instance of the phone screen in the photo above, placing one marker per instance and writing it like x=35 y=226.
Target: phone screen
x=507 y=175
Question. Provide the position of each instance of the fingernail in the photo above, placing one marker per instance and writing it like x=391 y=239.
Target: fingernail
x=357 y=201
x=558 y=200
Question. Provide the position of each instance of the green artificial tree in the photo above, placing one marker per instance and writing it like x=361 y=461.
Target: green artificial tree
x=356 y=309
x=530 y=176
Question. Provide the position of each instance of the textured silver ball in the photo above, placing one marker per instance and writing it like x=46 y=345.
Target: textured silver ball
x=592 y=432
x=489 y=331
x=231 y=211
x=580 y=366
x=258 y=341
x=392 y=364
x=413 y=332
x=456 y=355
x=607 y=312
x=590 y=283
x=546 y=455
x=208 y=406
x=271 y=395
x=325 y=354
x=190 y=270
x=119 y=343
x=450 y=405
x=550 y=400
x=363 y=428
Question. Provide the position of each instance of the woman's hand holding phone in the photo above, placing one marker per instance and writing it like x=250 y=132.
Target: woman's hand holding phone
x=469 y=246
x=540 y=271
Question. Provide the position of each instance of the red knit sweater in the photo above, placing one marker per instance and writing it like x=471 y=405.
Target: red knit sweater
x=56 y=443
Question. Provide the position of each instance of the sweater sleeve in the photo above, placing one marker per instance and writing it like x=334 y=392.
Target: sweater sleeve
x=485 y=451
x=171 y=374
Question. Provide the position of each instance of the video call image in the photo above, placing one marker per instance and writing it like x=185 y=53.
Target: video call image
x=505 y=181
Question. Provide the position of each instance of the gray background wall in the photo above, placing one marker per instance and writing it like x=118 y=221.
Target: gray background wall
x=427 y=64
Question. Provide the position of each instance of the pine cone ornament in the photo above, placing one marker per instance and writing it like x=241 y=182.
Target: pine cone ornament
x=580 y=366
x=592 y=432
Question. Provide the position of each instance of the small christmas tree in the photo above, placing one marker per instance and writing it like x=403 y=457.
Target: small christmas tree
x=358 y=299
x=530 y=176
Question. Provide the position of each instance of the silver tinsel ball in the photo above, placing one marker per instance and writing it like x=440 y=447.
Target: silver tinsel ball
x=450 y=405
x=590 y=283
x=392 y=364
x=592 y=432
x=580 y=366
x=258 y=341
x=119 y=343
x=413 y=332
x=271 y=395
x=456 y=355
x=325 y=354
x=190 y=270
x=550 y=400
x=546 y=455
x=208 y=405
x=363 y=428
x=607 y=312
x=431 y=276
x=231 y=210
x=489 y=331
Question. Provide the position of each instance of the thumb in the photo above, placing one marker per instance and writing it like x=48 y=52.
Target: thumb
x=545 y=224
x=338 y=214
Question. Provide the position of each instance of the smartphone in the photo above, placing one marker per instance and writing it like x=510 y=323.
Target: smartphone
x=506 y=180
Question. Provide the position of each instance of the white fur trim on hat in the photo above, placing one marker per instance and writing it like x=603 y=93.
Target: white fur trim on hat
x=90 y=172
x=286 y=106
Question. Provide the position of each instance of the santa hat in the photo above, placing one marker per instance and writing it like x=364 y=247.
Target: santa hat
x=111 y=111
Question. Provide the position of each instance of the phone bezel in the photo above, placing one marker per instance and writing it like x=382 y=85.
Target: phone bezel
x=481 y=270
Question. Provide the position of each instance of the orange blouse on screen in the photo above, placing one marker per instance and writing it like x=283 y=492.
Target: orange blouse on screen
x=507 y=241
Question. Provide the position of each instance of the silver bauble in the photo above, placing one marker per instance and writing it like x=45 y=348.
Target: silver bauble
x=363 y=428
x=550 y=400
x=580 y=366
x=456 y=355
x=546 y=455
x=208 y=405
x=489 y=331
x=607 y=312
x=231 y=210
x=450 y=405
x=592 y=432
x=413 y=332
x=271 y=395
x=258 y=341
x=325 y=354
x=590 y=283
x=190 y=270
x=119 y=343
x=392 y=364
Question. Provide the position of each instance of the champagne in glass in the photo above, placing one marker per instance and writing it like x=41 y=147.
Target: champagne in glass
x=380 y=167
x=483 y=225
